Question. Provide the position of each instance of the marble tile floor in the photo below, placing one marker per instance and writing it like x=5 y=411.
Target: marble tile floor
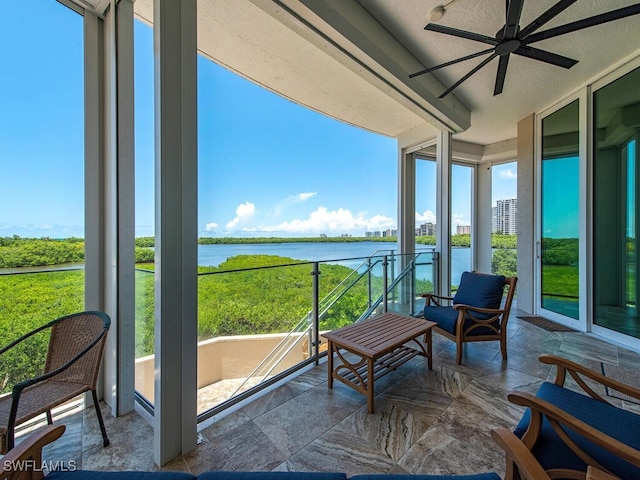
x=435 y=421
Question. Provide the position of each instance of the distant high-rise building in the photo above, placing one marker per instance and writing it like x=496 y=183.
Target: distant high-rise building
x=463 y=229
x=368 y=234
x=427 y=229
x=507 y=216
x=494 y=219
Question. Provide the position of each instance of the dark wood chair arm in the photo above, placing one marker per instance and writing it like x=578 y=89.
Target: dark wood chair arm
x=557 y=416
x=518 y=453
x=564 y=365
x=432 y=297
x=493 y=311
x=24 y=461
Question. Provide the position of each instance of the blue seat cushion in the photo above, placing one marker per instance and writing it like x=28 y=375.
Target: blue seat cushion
x=480 y=290
x=272 y=476
x=446 y=318
x=478 y=476
x=552 y=452
x=116 y=475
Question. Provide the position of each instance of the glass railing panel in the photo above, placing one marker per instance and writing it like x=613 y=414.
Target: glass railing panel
x=145 y=331
x=347 y=303
x=31 y=297
x=252 y=325
x=409 y=276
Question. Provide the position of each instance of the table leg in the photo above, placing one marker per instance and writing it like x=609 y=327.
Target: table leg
x=370 y=390
x=428 y=342
x=330 y=363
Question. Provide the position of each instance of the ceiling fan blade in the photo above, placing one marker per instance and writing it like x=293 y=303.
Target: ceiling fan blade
x=513 y=18
x=585 y=23
x=434 y=27
x=478 y=67
x=544 y=56
x=452 y=62
x=550 y=14
x=502 y=73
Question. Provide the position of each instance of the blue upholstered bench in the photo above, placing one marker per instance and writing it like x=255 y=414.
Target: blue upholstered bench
x=25 y=461
x=600 y=434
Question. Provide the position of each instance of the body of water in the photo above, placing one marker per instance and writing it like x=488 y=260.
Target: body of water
x=332 y=252
x=350 y=254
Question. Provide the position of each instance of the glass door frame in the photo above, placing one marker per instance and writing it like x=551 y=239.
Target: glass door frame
x=584 y=231
x=611 y=77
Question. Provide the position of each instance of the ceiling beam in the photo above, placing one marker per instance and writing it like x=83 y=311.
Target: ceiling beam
x=352 y=36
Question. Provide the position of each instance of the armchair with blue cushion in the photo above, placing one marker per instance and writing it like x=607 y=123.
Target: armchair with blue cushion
x=477 y=313
x=571 y=431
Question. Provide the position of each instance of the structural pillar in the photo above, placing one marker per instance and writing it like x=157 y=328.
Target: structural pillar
x=176 y=166
x=527 y=238
x=443 y=209
x=406 y=202
x=481 y=220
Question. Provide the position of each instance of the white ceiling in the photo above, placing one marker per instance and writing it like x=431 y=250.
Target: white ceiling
x=302 y=50
x=530 y=85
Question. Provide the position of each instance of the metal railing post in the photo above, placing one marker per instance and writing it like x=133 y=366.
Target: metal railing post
x=369 y=280
x=316 y=311
x=385 y=283
x=394 y=297
x=412 y=287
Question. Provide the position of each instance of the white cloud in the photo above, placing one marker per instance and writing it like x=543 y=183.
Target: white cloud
x=243 y=212
x=303 y=197
x=426 y=217
x=327 y=221
x=211 y=227
x=508 y=174
x=460 y=219
x=292 y=199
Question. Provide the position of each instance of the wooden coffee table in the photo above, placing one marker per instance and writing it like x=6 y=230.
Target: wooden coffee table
x=382 y=344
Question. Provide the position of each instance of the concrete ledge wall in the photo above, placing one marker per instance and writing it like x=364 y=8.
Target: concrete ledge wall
x=224 y=358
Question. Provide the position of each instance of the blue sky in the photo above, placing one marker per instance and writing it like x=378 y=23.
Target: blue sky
x=267 y=167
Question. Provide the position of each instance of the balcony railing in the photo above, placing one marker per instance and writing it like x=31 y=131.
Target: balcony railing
x=258 y=325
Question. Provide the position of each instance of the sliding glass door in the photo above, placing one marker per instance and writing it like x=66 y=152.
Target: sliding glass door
x=558 y=245
x=616 y=214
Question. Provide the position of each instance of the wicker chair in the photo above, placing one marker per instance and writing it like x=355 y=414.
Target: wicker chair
x=71 y=367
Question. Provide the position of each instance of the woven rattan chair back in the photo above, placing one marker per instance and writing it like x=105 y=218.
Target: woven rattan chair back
x=68 y=339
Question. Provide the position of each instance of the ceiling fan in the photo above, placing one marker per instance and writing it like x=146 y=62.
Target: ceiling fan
x=513 y=39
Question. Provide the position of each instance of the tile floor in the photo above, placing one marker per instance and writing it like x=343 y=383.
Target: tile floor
x=435 y=421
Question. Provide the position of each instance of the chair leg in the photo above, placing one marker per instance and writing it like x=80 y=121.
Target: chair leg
x=503 y=346
x=105 y=439
x=49 y=417
x=458 y=351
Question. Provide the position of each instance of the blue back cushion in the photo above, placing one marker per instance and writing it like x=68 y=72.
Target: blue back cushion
x=480 y=290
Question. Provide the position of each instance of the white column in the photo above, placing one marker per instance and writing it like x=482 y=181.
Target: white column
x=527 y=238
x=406 y=202
x=109 y=194
x=481 y=219
x=124 y=176
x=443 y=209
x=94 y=209
x=406 y=219
x=175 y=50
x=95 y=202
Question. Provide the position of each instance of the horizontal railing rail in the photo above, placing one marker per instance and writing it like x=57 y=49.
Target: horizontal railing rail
x=372 y=279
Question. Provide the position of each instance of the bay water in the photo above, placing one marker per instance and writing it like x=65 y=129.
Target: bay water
x=350 y=254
